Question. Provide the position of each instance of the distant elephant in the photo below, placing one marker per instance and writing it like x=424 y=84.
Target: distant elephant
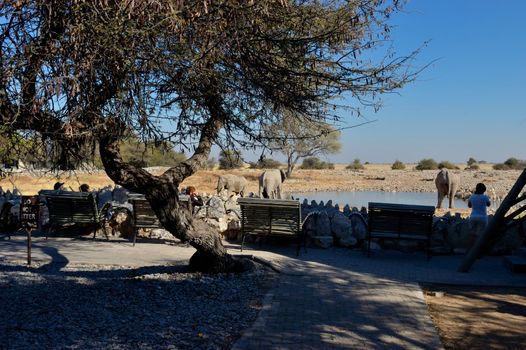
x=447 y=185
x=270 y=184
x=234 y=183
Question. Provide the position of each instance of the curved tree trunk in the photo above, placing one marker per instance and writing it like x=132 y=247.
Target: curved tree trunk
x=162 y=193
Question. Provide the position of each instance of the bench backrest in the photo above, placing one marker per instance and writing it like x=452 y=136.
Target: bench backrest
x=403 y=219
x=143 y=214
x=72 y=207
x=270 y=216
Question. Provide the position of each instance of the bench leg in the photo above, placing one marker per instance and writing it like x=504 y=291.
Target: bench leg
x=242 y=241
x=135 y=236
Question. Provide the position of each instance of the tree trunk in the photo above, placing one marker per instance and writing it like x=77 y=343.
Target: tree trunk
x=211 y=255
x=497 y=224
x=162 y=193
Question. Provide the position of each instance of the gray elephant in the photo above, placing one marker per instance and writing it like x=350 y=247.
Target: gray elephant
x=270 y=184
x=447 y=185
x=232 y=183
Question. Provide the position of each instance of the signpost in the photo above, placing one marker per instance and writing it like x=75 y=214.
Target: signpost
x=29 y=219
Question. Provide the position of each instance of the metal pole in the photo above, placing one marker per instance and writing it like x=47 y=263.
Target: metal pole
x=28 y=230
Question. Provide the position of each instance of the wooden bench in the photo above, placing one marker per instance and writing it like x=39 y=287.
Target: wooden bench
x=143 y=214
x=400 y=222
x=75 y=208
x=271 y=217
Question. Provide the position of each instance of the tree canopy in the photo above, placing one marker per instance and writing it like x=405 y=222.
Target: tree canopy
x=85 y=73
x=298 y=138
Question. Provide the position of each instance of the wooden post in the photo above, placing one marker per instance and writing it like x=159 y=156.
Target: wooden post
x=29 y=218
x=495 y=225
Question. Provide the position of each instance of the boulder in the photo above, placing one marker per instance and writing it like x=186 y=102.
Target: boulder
x=322 y=241
x=215 y=208
x=359 y=226
x=159 y=233
x=341 y=228
x=510 y=241
x=231 y=205
x=121 y=223
x=323 y=225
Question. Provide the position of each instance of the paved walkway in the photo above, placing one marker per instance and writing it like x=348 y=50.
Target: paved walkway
x=325 y=299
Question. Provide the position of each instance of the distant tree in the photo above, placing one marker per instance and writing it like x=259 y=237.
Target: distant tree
x=150 y=153
x=427 y=164
x=446 y=165
x=510 y=164
x=266 y=163
x=298 y=137
x=471 y=161
x=316 y=163
x=355 y=165
x=230 y=159
x=398 y=165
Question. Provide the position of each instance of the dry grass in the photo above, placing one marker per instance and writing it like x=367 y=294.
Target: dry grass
x=375 y=177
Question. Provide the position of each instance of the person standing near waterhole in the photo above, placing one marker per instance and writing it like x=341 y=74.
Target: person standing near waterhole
x=478 y=220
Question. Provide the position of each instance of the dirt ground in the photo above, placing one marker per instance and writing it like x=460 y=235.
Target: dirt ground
x=478 y=317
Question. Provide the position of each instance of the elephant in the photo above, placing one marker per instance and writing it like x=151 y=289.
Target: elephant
x=234 y=183
x=447 y=185
x=270 y=184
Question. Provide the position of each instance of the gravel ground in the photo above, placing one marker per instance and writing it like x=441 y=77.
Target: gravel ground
x=119 y=307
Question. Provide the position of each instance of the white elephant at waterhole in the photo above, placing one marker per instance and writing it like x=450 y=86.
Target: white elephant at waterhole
x=447 y=185
x=270 y=184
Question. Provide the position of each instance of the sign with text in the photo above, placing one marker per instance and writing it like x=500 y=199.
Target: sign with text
x=29 y=211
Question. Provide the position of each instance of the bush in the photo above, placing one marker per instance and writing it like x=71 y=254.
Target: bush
x=356 y=165
x=471 y=161
x=511 y=163
x=501 y=166
x=229 y=159
x=315 y=163
x=398 y=165
x=265 y=163
x=427 y=164
x=473 y=167
x=446 y=165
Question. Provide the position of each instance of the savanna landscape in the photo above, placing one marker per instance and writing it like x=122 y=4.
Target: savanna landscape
x=134 y=89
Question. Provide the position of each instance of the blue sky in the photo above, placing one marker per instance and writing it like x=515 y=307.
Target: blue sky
x=468 y=103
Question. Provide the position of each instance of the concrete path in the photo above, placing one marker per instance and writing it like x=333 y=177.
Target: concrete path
x=325 y=299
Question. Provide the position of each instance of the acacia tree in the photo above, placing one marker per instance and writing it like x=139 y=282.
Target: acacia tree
x=299 y=138
x=86 y=73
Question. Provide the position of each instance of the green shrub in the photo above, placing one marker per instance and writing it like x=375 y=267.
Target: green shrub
x=230 y=159
x=473 y=167
x=427 y=164
x=446 y=165
x=501 y=166
x=265 y=163
x=471 y=161
x=355 y=165
x=315 y=163
x=510 y=163
x=398 y=165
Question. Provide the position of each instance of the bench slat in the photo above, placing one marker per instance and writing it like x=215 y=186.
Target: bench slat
x=270 y=217
x=400 y=221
